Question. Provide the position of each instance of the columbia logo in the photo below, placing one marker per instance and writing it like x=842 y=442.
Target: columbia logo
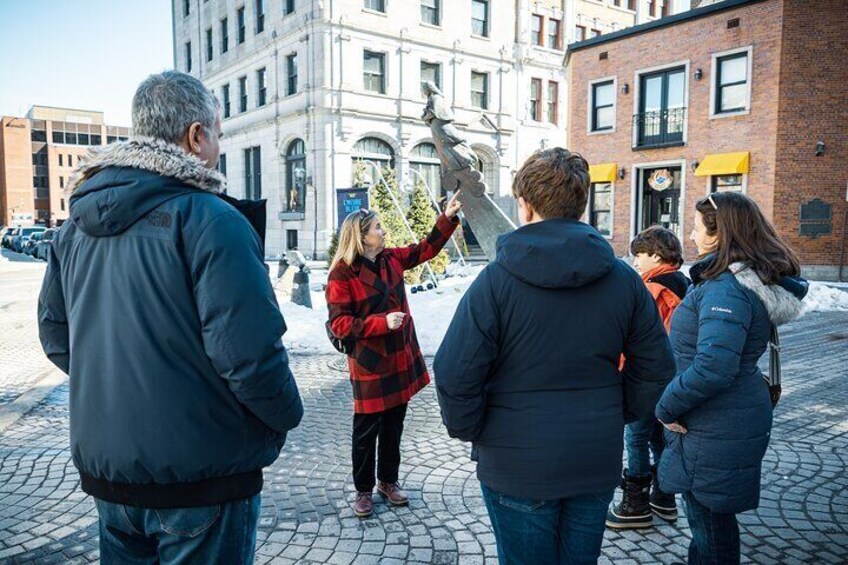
x=159 y=219
x=720 y=309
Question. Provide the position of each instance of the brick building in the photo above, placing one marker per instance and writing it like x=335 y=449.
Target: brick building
x=37 y=156
x=735 y=95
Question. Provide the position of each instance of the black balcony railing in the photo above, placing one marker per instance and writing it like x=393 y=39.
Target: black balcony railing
x=660 y=128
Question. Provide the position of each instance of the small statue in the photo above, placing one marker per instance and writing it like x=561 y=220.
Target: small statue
x=458 y=159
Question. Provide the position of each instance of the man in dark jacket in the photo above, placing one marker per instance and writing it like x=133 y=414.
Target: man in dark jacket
x=528 y=370
x=157 y=303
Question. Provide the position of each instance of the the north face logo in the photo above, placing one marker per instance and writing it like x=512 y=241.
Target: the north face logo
x=159 y=219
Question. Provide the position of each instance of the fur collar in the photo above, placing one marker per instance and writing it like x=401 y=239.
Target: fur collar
x=149 y=154
x=782 y=306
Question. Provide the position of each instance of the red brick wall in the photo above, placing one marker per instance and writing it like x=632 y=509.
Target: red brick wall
x=813 y=106
x=694 y=41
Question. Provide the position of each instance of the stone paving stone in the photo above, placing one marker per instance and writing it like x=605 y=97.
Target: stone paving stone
x=306 y=517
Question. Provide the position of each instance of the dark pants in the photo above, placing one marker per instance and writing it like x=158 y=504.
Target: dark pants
x=640 y=437
x=223 y=533
x=566 y=530
x=388 y=427
x=715 y=536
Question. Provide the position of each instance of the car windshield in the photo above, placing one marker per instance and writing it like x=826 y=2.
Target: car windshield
x=30 y=231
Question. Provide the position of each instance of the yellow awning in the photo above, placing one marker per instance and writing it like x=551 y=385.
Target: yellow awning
x=723 y=164
x=602 y=173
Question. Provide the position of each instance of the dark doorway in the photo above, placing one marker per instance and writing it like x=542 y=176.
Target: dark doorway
x=659 y=198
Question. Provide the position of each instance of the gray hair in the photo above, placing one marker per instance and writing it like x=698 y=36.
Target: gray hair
x=166 y=104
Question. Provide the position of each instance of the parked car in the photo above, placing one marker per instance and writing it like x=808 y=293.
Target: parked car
x=28 y=245
x=25 y=233
x=10 y=232
x=44 y=244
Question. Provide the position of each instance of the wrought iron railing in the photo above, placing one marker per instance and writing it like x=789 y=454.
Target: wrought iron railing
x=660 y=128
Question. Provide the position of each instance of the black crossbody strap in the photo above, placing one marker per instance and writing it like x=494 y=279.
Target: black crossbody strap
x=774 y=357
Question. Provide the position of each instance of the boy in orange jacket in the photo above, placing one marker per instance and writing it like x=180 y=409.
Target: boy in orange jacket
x=658 y=257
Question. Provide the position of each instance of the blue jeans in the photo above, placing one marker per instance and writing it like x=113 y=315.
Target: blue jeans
x=715 y=536
x=638 y=437
x=566 y=530
x=224 y=533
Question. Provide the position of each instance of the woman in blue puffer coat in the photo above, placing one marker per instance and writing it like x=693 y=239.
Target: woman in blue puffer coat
x=717 y=410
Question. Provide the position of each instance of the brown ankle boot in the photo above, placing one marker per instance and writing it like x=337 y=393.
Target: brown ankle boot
x=363 y=506
x=393 y=493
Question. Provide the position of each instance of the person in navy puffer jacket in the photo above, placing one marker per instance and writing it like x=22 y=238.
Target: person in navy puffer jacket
x=717 y=410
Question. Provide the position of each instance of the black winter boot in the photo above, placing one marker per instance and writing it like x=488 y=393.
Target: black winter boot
x=634 y=511
x=663 y=504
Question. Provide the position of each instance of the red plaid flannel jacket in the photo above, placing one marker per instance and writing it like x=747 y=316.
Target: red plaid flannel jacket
x=386 y=368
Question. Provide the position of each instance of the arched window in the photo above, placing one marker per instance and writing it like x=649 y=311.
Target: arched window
x=295 y=176
x=425 y=160
x=374 y=149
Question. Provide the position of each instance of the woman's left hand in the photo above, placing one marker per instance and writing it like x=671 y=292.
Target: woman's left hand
x=453 y=206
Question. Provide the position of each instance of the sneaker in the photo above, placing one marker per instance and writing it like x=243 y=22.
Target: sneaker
x=663 y=504
x=393 y=493
x=634 y=510
x=363 y=506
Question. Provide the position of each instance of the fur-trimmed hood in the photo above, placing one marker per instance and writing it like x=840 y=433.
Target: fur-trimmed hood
x=149 y=154
x=782 y=301
x=119 y=184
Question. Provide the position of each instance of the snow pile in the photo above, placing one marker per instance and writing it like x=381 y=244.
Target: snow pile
x=825 y=298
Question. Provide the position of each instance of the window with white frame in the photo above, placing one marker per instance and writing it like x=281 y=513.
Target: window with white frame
x=431 y=12
x=480 y=17
x=479 y=90
x=374 y=71
x=376 y=5
x=431 y=72
x=732 y=83
x=600 y=207
x=726 y=183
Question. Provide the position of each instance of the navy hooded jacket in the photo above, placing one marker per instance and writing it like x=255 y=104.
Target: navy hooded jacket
x=718 y=334
x=528 y=370
x=157 y=303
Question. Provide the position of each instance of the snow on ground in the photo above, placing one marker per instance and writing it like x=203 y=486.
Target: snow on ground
x=433 y=310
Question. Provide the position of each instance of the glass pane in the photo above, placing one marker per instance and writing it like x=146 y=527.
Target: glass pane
x=652 y=88
x=734 y=70
x=676 y=90
x=605 y=117
x=478 y=81
x=727 y=183
x=604 y=94
x=372 y=63
x=733 y=97
x=601 y=222
x=602 y=200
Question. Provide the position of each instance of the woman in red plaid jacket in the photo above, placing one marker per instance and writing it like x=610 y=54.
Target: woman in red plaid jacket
x=367 y=303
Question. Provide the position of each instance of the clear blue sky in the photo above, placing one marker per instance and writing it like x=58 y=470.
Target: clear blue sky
x=86 y=54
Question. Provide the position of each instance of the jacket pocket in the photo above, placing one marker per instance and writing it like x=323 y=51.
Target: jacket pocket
x=188 y=522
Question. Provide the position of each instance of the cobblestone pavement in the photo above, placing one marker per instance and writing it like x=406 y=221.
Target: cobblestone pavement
x=305 y=516
x=22 y=363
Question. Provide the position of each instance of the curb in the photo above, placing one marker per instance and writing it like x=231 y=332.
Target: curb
x=15 y=410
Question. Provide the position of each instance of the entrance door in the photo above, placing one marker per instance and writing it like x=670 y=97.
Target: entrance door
x=660 y=198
